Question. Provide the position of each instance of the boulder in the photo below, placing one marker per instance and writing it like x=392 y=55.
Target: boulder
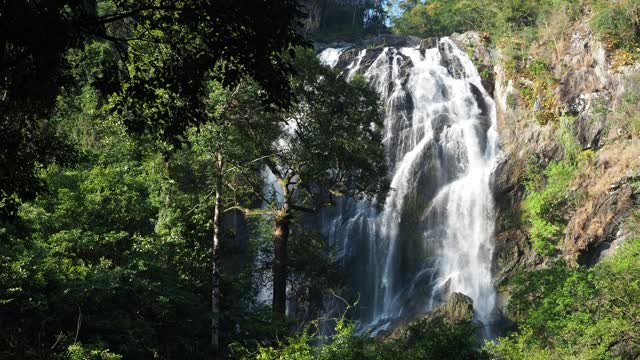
x=458 y=308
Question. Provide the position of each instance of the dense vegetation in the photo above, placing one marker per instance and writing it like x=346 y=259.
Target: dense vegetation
x=132 y=179
x=430 y=338
x=135 y=137
x=547 y=192
x=577 y=313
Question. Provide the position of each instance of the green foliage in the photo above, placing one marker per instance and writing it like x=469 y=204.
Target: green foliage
x=634 y=124
x=430 y=338
x=92 y=264
x=339 y=128
x=538 y=67
x=79 y=352
x=154 y=58
x=581 y=313
x=444 y=17
x=618 y=23
x=547 y=194
x=633 y=222
x=120 y=245
x=440 y=18
x=571 y=149
x=328 y=143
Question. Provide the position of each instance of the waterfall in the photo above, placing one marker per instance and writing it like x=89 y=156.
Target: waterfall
x=434 y=235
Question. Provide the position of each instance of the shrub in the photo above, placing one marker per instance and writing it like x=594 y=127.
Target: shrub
x=79 y=352
x=538 y=67
x=547 y=194
x=617 y=23
x=634 y=124
x=578 y=313
x=431 y=338
x=548 y=191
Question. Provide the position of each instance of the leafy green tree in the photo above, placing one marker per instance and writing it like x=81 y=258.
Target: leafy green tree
x=443 y=17
x=223 y=144
x=328 y=142
x=93 y=269
x=194 y=36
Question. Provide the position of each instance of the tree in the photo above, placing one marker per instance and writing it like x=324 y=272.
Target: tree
x=443 y=17
x=167 y=50
x=221 y=143
x=195 y=36
x=89 y=266
x=328 y=143
x=407 y=5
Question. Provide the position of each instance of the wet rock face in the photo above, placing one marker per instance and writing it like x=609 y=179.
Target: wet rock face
x=450 y=62
x=387 y=40
x=459 y=307
x=351 y=55
x=439 y=124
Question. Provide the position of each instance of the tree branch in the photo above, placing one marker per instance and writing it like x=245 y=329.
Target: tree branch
x=304 y=209
x=274 y=168
x=248 y=211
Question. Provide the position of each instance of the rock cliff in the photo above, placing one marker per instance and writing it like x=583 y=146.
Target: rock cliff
x=580 y=98
x=601 y=99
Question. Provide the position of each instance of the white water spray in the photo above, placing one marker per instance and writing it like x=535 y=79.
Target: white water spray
x=435 y=234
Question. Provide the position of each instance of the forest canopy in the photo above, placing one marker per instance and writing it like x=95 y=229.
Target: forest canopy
x=163 y=165
x=134 y=137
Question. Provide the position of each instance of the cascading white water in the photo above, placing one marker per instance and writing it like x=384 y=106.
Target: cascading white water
x=435 y=232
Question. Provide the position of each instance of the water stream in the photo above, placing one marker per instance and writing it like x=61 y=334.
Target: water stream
x=434 y=235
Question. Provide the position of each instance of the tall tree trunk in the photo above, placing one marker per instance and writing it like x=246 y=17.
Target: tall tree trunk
x=280 y=274
x=215 y=275
x=280 y=255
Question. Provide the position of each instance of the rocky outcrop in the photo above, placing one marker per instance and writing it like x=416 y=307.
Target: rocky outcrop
x=457 y=309
x=476 y=45
x=612 y=189
x=586 y=85
x=380 y=42
x=591 y=91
